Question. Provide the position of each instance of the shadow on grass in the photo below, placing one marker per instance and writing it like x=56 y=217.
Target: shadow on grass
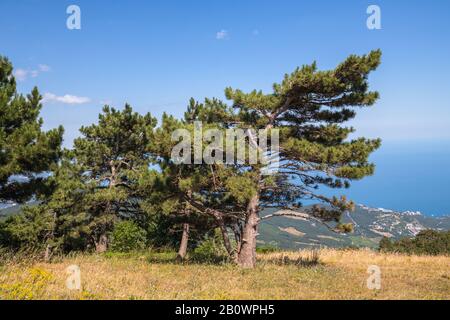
x=192 y=259
x=170 y=257
x=308 y=261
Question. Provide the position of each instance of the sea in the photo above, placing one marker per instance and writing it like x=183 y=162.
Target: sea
x=410 y=176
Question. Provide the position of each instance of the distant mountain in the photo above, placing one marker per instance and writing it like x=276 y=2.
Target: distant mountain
x=10 y=208
x=371 y=224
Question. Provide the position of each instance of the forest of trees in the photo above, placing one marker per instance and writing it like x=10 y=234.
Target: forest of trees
x=119 y=180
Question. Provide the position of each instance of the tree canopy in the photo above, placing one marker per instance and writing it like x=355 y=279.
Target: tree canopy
x=27 y=154
x=123 y=168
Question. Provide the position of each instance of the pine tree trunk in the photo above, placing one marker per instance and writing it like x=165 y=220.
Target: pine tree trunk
x=237 y=236
x=226 y=240
x=102 y=244
x=247 y=253
x=184 y=243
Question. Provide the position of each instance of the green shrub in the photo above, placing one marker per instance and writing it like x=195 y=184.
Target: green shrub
x=127 y=236
x=267 y=249
x=345 y=227
x=310 y=260
x=386 y=244
x=211 y=248
x=28 y=229
x=428 y=242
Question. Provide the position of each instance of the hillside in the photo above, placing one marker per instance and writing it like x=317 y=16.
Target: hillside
x=371 y=224
x=8 y=209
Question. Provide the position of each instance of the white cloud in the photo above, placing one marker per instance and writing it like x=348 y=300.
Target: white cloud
x=44 y=68
x=222 y=34
x=66 y=99
x=23 y=74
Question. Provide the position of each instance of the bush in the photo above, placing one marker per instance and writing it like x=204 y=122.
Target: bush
x=128 y=236
x=211 y=249
x=310 y=260
x=267 y=249
x=428 y=242
x=28 y=229
x=345 y=227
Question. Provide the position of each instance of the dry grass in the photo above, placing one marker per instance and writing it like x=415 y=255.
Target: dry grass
x=290 y=275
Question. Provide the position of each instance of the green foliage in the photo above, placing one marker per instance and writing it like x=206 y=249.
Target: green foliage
x=345 y=227
x=267 y=249
x=165 y=230
x=428 y=242
x=61 y=222
x=28 y=230
x=106 y=178
x=99 y=182
x=26 y=151
x=311 y=260
x=241 y=188
x=128 y=236
x=211 y=249
x=211 y=111
x=113 y=159
x=309 y=108
x=386 y=244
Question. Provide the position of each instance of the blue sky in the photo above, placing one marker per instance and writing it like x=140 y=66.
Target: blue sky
x=157 y=54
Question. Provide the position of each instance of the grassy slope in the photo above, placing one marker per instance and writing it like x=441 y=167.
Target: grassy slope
x=340 y=275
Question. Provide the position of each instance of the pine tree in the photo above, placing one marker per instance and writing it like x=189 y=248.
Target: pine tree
x=114 y=158
x=27 y=154
x=176 y=193
x=309 y=108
